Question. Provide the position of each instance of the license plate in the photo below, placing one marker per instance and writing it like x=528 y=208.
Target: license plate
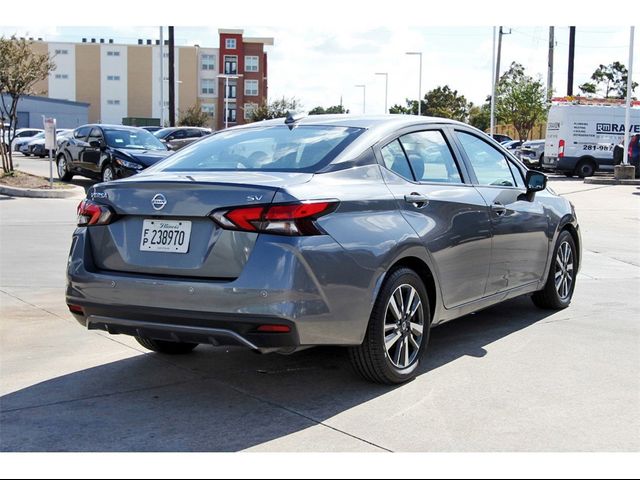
x=169 y=236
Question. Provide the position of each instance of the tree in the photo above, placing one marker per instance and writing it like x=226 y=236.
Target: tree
x=611 y=80
x=520 y=100
x=480 y=117
x=330 y=110
x=20 y=69
x=439 y=102
x=276 y=109
x=193 y=117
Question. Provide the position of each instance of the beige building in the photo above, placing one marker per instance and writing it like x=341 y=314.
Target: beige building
x=122 y=81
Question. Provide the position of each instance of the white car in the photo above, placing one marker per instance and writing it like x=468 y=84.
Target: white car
x=22 y=135
x=531 y=153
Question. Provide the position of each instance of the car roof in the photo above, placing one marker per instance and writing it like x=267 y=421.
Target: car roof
x=106 y=125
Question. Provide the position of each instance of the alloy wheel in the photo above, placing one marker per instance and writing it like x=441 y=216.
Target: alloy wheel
x=564 y=271
x=107 y=175
x=62 y=167
x=403 y=326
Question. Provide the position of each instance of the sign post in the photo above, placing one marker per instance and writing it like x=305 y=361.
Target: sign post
x=50 y=143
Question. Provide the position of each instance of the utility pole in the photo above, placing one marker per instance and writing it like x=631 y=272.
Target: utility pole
x=550 y=70
x=161 y=77
x=493 y=86
x=500 y=34
x=172 y=80
x=572 y=54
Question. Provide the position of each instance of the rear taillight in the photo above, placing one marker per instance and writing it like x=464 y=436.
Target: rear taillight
x=91 y=213
x=290 y=219
x=561 y=149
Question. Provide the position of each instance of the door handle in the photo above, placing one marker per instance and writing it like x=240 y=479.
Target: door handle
x=499 y=209
x=416 y=199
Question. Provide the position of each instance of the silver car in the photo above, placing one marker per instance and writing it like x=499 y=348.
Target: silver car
x=355 y=231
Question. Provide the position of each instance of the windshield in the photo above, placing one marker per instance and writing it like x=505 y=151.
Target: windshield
x=132 y=139
x=275 y=148
x=38 y=136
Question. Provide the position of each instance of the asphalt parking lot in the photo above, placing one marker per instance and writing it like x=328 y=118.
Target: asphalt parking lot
x=509 y=378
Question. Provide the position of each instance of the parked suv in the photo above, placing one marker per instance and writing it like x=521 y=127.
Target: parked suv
x=177 y=137
x=107 y=152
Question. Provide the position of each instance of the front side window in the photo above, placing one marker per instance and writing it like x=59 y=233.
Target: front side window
x=430 y=157
x=251 y=88
x=489 y=164
x=81 y=133
x=95 y=136
x=274 y=148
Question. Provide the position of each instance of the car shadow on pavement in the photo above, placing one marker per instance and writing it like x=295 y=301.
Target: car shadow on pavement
x=223 y=399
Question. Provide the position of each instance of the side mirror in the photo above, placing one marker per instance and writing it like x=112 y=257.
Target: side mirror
x=95 y=144
x=536 y=182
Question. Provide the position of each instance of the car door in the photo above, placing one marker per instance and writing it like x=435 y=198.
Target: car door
x=76 y=144
x=519 y=226
x=176 y=139
x=90 y=155
x=436 y=197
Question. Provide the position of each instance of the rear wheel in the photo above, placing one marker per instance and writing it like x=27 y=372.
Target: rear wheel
x=63 y=169
x=561 y=282
x=168 y=348
x=586 y=168
x=398 y=331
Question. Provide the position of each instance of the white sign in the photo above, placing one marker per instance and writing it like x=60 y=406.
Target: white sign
x=50 y=134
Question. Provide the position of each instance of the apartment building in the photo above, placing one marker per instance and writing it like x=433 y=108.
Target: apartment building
x=123 y=81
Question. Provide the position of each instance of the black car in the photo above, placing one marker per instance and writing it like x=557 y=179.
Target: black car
x=107 y=152
x=177 y=137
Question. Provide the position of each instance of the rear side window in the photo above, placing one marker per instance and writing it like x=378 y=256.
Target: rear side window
x=276 y=148
x=395 y=160
x=489 y=164
x=430 y=157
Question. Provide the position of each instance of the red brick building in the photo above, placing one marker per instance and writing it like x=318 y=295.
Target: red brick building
x=242 y=82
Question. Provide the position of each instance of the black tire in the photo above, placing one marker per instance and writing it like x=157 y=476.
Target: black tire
x=371 y=359
x=549 y=297
x=167 y=348
x=63 y=169
x=586 y=168
x=108 y=173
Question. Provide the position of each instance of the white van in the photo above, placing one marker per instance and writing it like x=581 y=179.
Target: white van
x=580 y=138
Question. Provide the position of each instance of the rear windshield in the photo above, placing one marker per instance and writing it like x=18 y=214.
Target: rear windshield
x=276 y=148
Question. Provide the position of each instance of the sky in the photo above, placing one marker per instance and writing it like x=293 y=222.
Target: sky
x=319 y=62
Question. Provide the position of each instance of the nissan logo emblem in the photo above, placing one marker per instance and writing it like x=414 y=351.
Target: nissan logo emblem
x=158 y=201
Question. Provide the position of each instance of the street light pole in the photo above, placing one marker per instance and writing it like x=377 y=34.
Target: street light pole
x=419 y=82
x=627 y=117
x=364 y=97
x=386 y=90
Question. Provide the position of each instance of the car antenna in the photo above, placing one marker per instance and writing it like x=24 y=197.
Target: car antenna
x=293 y=118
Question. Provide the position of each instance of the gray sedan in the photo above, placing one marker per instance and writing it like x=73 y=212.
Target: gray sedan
x=358 y=231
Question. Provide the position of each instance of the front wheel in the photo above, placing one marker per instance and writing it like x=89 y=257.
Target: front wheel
x=561 y=281
x=108 y=174
x=398 y=331
x=63 y=169
x=168 y=348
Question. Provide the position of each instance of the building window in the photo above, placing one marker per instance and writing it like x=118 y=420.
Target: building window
x=251 y=88
x=113 y=77
x=249 y=109
x=62 y=52
x=209 y=109
x=113 y=53
x=208 y=62
x=232 y=91
x=230 y=43
x=208 y=86
x=251 y=63
x=231 y=114
x=230 y=64
x=62 y=76
x=113 y=102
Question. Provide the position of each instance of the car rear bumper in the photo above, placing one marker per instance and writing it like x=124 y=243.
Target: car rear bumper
x=278 y=286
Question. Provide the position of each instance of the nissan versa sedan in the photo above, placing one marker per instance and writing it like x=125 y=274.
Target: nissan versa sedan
x=356 y=231
x=107 y=152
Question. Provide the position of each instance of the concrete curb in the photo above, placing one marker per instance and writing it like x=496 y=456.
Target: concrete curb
x=611 y=181
x=74 y=192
